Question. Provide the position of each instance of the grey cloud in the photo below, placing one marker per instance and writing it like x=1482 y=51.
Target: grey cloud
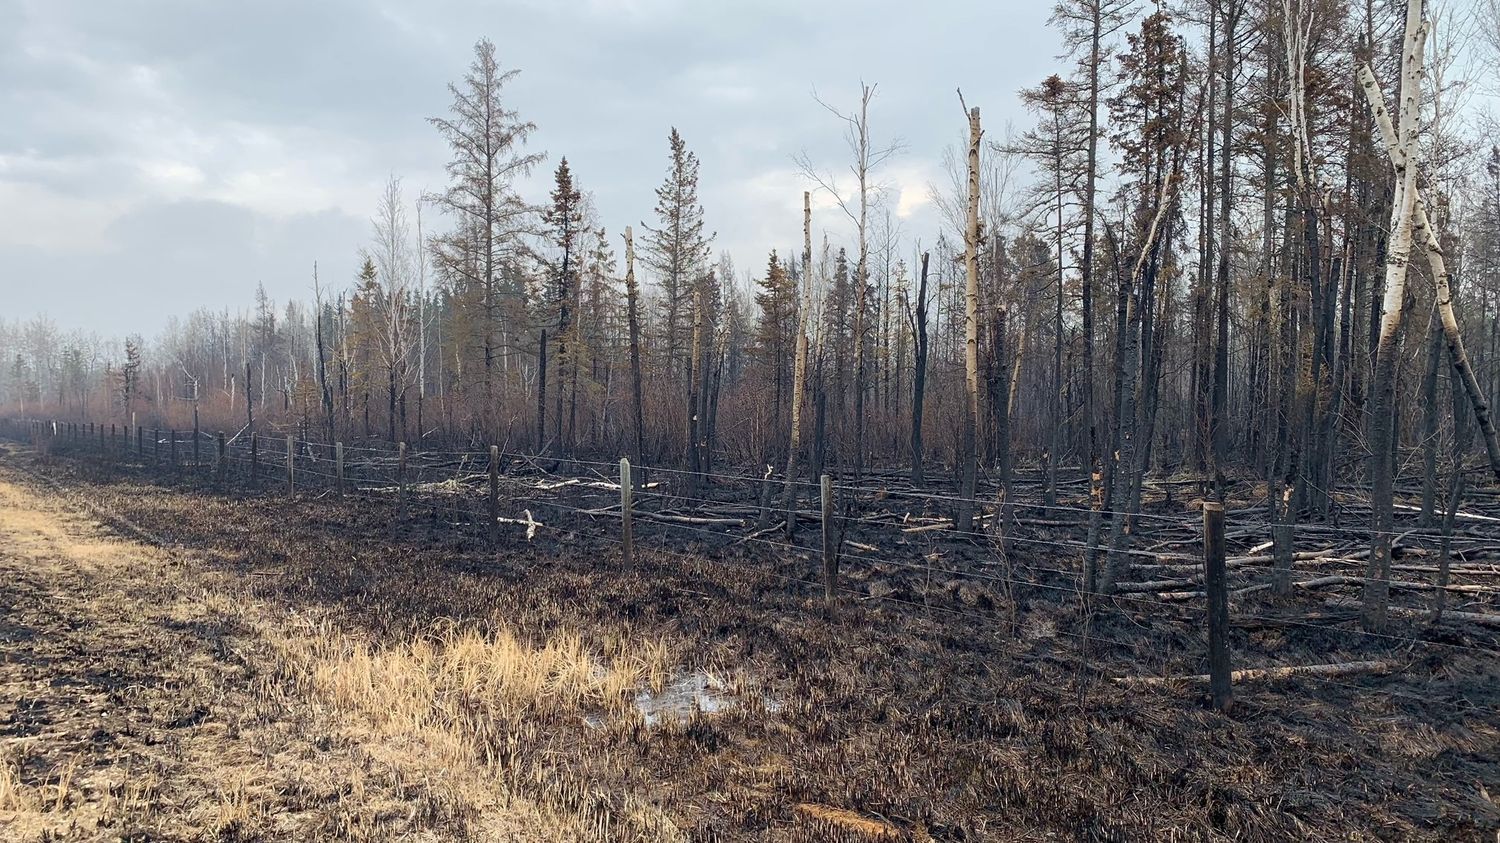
x=169 y=259
x=294 y=112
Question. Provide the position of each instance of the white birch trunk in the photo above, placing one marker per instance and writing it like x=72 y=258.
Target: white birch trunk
x=1376 y=596
x=1424 y=232
x=965 y=519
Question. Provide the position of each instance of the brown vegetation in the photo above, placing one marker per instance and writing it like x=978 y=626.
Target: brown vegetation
x=492 y=695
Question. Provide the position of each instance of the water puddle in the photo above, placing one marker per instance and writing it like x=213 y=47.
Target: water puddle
x=685 y=695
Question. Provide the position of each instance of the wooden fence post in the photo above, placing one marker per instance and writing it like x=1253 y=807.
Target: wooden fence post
x=291 y=467
x=102 y=447
x=156 y=445
x=401 y=479
x=338 y=466
x=196 y=461
x=830 y=558
x=172 y=450
x=1214 y=583
x=254 y=459
x=627 y=539
x=495 y=495
x=140 y=443
x=222 y=465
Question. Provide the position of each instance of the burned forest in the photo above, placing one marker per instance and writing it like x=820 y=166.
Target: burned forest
x=1105 y=456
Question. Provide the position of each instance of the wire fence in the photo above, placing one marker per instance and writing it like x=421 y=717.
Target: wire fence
x=500 y=490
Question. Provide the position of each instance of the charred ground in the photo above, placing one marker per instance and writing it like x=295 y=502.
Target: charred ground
x=922 y=705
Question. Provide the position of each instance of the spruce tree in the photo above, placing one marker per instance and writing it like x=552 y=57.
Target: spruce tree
x=677 y=251
x=564 y=220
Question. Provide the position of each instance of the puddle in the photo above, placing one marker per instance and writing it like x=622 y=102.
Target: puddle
x=681 y=698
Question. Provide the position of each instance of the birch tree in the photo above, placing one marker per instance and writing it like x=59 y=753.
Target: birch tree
x=1431 y=242
x=968 y=456
x=1376 y=596
x=392 y=301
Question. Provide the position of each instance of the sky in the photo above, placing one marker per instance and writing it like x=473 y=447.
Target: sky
x=157 y=156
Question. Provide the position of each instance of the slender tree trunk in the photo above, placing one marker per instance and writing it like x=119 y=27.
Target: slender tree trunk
x=249 y=402
x=1458 y=447
x=919 y=375
x=1383 y=413
x=541 y=393
x=632 y=307
x=1054 y=445
x=1430 y=418
x=969 y=461
x=695 y=372
x=799 y=372
x=1003 y=409
x=1203 y=324
x=1220 y=438
x=1086 y=270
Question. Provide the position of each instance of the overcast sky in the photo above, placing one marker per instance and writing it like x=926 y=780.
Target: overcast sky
x=161 y=155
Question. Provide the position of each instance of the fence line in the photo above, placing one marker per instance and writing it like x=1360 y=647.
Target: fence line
x=271 y=458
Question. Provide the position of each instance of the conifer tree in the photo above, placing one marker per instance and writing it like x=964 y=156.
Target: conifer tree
x=486 y=139
x=775 y=333
x=564 y=219
x=677 y=251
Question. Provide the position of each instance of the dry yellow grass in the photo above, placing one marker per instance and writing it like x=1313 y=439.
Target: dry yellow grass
x=41 y=808
x=856 y=826
x=427 y=680
x=14 y=796
x=335 y=736
x=434 y=705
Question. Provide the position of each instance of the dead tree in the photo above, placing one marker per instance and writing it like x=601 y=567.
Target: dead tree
x=867 y=158
x=633 y=311
x=916 y=317
x=968 y=457
x=799 y=370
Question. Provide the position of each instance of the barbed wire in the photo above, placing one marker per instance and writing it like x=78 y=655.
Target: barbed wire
x=270 y=460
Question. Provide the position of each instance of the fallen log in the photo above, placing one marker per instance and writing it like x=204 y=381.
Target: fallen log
x=1481 y=618
x=1345 y=579
x=1331 y=579
x=1268 y=674
x=1155 y=585
x=531 y=523
x=1456 y=570
x=1468 y=516
x=690 y=519
x=849 y=822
